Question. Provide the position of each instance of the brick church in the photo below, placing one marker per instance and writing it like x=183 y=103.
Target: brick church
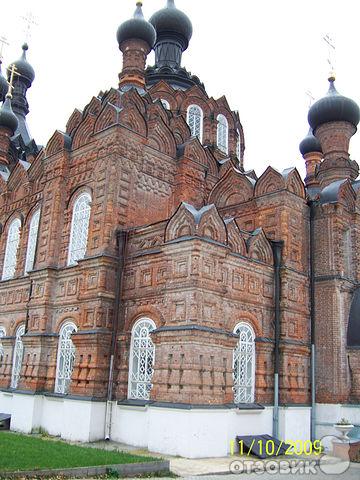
x=155 y=292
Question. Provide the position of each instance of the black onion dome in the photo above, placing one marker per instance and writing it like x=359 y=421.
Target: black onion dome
x=23 y=67
x=170 y=20
x=333 y=108
x=137 y=27
x=8 y=118
x=310 y=144
x=3 y=85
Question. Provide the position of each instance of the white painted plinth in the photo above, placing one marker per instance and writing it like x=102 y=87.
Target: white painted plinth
x=82 y=421
x=294 y=424
x=195 y=433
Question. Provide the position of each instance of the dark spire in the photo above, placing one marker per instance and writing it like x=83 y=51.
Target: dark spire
x=3 y=85
x=23 y=80
x=174 y=31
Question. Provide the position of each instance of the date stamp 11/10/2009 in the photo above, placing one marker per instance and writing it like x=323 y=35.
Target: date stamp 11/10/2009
x=269 y=448
x=330 y=455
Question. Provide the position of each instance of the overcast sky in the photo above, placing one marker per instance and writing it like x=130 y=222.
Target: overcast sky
x=263 y=55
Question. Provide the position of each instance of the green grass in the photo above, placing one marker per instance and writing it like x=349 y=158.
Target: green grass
x=22 y=452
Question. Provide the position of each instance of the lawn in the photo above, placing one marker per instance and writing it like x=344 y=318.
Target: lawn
x=21 y=452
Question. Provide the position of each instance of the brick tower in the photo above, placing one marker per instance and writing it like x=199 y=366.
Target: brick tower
x=334 y=121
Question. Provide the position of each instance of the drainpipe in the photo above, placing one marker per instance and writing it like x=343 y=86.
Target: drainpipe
x=277 y=251
x=312 y=321
x=27 y=306
x=121 y=239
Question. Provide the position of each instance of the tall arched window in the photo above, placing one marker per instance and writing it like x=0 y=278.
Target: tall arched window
x=223 y=134
x=244 y=364
x=18 y=357
x=12 y=246
x=65 y=358
x=195 y=121
x=142 y=357
x=32 y=241
x=2 y=334
x=79 y=228
x=238 y=146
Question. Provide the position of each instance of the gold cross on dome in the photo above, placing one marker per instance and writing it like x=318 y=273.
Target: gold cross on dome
x=29 y=21
x=3 y=43
x=13 y=71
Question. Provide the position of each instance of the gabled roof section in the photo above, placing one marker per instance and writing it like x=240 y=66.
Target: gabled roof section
x=233 y=188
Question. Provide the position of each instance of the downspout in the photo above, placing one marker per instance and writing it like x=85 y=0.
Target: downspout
x=277 y=251
x=27 y=305
x=312 y=321
x=121 y=240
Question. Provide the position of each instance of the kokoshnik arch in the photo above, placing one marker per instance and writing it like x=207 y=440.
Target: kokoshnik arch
x=153 y=290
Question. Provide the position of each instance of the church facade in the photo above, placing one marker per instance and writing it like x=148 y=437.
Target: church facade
x=155 y=292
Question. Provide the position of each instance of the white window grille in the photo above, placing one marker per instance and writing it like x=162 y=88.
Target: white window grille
x=65 y=358
x=165 y=104
x=223 y=134
x=2 y=334
x=244 y=364
x=238 y=146
x=18 y=357
x=12 y=246
x=195 y=121
x=79 y=228
x=142 y=357
x=32 y=242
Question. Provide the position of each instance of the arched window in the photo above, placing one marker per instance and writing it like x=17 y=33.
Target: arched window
x=79 y=228
x=238 y=146
x=18 y=357
x=165 y=104
x=223 y=134
x=32 y=242
x=65 y=358
x=195 y=121
x=142 y=357
x=244 y=364
x=12 y=246
x=2 y=334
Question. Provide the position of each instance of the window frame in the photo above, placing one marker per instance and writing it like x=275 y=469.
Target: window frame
x=11 y=252
x=133 y=377
x=201 y=126
x=222 y=133
x=250 y=382
x=72 y=259
x=32 y=242
x=18 y=357
x=62 y=384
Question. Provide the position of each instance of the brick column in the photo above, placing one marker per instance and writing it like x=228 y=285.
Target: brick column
x=6 y=363
x=193 y=366
x=39 y=362
x=91 y=369
x=135 y=52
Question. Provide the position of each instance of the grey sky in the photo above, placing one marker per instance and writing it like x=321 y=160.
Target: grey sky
x=263 y=55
